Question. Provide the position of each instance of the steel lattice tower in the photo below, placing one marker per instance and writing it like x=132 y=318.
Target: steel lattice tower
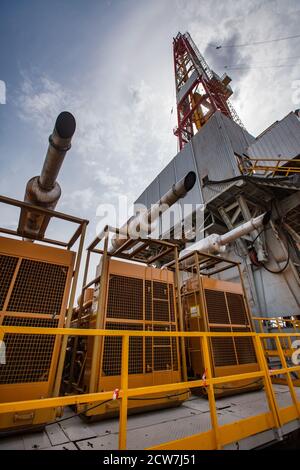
x=199 y=90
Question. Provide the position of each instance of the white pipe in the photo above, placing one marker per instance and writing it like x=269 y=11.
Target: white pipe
x=215 y=243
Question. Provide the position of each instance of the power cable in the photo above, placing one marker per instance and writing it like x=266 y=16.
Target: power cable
x=111 y=399
x=79 y=414
x=255 y=43
x=260 y=67
x=157 y=398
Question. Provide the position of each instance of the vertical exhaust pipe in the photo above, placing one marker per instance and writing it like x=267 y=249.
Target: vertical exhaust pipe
x=44 y=191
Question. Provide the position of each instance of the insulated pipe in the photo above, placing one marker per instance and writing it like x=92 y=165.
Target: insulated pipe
x=44 y=191
x=215 y=243
x=145 y=221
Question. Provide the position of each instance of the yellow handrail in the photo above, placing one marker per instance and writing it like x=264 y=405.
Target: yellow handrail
x=270 y=166
x=219 y=435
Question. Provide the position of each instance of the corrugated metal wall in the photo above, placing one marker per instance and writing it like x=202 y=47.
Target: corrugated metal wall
x=282 y=140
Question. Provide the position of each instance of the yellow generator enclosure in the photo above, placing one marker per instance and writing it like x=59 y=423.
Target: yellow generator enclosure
x=35 y=283
x=136 y=297
x=215 y=305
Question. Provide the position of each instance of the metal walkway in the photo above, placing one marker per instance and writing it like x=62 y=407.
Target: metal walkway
x=153 y=428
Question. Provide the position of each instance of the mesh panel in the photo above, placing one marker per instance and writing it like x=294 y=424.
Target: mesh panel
x=113 y=350
x=126 y=302
x=148 y=354
x=148 y=300
x=7 y=268
x=244 y=348
x=237 y=309
x=39 y=288
x=28 y=357
x=160 y=290
x=125 y=298
x=216 y=307
x=171 y=299
x=161 y=310
x=175 y=352
x=165 y=351
x=233 y=351
x=162 y=358
x=161 y=340
x=223 y=351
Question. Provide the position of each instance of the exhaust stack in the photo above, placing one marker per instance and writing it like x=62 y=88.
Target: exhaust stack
x=44 y=191
x=145 y=221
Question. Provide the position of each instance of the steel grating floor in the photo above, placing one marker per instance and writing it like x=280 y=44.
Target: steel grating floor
x=152 y=428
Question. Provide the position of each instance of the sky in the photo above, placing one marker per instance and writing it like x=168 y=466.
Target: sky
x=110 y=63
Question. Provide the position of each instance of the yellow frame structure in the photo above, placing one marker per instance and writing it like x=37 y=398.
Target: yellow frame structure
x=218 y=436
x=286 y=342
x=271 y=166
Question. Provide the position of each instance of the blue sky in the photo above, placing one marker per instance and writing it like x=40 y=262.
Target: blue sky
x=110 y=63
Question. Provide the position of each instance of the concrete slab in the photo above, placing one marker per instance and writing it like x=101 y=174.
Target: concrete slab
x=36 y=441
x=56 y=434
x=12 y=443
x=75 y=429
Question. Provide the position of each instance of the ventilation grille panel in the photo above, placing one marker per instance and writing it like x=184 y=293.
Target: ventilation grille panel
x=113 y=351
x=216 y=307
x=28 y=357
x=237 y=311
x=7 y=268
x=39 y=288
x=125 y=298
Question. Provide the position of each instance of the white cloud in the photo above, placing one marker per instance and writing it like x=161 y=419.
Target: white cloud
x=81 y=198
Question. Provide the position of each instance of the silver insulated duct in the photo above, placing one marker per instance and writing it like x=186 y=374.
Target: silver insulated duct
x=143 y=222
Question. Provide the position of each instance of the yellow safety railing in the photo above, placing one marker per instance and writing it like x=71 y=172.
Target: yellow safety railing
x=280 y=325
x=270 y=166
x=218 y=436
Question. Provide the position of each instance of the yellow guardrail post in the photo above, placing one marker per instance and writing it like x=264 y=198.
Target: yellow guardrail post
x=211 y=393
x=267 y=381
x=124 y=397
x=287 y=373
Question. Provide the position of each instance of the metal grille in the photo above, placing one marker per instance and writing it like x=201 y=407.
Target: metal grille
x=175 y=352
x=216 y=307
x=165 y=351
x=125 y=298
x=244 y=348
x=149 y=354
x=113 y=350
x=148 y=300
x=7 y=268
x=162 y=358
x=160 y=290
x=237 y=311
x=223 y=351
x=171 y=300
x=28 y=357
x=161 y=310
x=233 y=351
x=39 y=288
x=128 y=299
